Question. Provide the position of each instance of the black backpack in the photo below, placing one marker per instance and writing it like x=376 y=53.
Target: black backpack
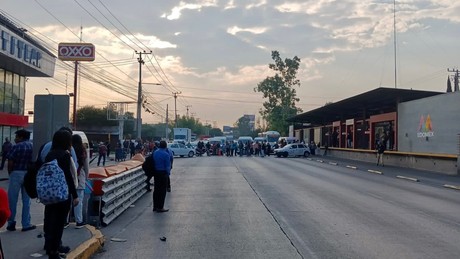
x=149 y=165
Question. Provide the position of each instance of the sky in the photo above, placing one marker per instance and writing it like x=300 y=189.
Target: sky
x=213 y=53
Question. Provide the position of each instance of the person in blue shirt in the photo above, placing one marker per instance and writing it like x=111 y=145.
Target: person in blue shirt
x=163 y=163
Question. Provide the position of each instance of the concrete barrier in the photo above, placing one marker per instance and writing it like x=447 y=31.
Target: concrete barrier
x=440 y=163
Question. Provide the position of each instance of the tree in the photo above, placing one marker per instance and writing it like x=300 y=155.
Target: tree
x=280 y=93
x=91 y=116
x=243 y=126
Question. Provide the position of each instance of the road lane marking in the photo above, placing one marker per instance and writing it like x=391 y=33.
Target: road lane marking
x=452 y=187
x=375 y=171
x=321 y=161
x=352 y=167
x=407 y=178
x=333 y=163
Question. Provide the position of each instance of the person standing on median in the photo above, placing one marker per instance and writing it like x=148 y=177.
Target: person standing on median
x=56 y=214
x=162 y=159
x=82 y=174
x=18 y=159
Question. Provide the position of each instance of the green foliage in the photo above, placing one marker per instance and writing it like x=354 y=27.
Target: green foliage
x=243 y=126
x=215 y=132
x=91 y=116
x=280 y=94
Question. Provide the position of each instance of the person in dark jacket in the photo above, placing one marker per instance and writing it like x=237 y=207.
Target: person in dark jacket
x=381 y=146
x=56 y=214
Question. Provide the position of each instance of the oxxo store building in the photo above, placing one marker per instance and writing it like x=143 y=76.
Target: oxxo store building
x=421 y=129
x=20 y=57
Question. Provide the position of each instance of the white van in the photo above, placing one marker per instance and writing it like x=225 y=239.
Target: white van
x=245 y=139
x=288 y=140
x=84 y=139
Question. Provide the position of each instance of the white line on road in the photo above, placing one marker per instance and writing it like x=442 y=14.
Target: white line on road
x=452 y=187
x=333 y=163
x=352 y=167
x=407 y=178
x=375 y=171
x=321 y=161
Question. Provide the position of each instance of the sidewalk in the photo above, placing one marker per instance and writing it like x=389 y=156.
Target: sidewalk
x=21 y=245
x=18 y=245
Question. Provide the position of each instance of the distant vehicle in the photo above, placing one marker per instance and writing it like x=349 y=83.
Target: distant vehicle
x=293 y=150
x=182 y=135
x=245 y=139
x=84 y=138
x=287 y=140
x=179 y=149
x=260 y=139
x=272 y=136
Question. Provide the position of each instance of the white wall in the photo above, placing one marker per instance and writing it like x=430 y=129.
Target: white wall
x=444 y=112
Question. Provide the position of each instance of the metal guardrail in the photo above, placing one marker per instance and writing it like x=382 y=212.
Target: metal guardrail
x=120 y=191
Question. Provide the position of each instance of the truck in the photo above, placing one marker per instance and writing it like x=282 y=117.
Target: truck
x=182 y=135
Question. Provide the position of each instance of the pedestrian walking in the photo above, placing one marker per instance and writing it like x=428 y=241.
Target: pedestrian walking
x=102 y=154
x=19 y=157
x=162 y=159
x=380 y=150
x=6 y=147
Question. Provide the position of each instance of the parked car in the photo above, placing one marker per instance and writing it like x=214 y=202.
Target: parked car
x=181 y=150
x=293 y=150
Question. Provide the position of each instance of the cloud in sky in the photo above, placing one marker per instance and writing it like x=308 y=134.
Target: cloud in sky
x=221 y=49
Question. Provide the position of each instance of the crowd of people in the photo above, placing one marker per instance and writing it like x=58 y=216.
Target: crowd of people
x=71 y=157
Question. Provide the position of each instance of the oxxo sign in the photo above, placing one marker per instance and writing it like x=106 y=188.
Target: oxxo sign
x=76 y=51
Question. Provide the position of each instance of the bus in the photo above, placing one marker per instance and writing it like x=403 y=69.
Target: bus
x=271 y=136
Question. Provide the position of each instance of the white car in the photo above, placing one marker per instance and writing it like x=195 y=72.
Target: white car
x=293 y=150
x=181 y=150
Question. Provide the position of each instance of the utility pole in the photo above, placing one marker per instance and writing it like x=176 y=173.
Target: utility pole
x=187 y=106
x=175 y=108
x=139 y=93
x=167 y=127
x=456 y=77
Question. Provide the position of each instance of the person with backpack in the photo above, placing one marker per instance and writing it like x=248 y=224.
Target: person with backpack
x=82 y=174
x=19 y=157
x=56 y=213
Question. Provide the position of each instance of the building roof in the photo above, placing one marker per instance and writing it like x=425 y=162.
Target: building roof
x=377 y=101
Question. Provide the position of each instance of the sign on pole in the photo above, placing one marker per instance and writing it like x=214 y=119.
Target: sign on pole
x=76 y=52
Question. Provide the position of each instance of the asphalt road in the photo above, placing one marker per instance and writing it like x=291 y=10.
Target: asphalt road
x=254 y=207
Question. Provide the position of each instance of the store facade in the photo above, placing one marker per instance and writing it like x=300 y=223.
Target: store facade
x=359 y=122
x=20 y=57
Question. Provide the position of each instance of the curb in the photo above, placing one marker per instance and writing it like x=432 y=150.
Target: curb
x=89 y=247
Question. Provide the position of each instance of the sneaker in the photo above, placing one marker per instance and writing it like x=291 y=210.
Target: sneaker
x=31 y=227
x=66 y=225
x=11 y=228
x=80 y=225
x=63 y=250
